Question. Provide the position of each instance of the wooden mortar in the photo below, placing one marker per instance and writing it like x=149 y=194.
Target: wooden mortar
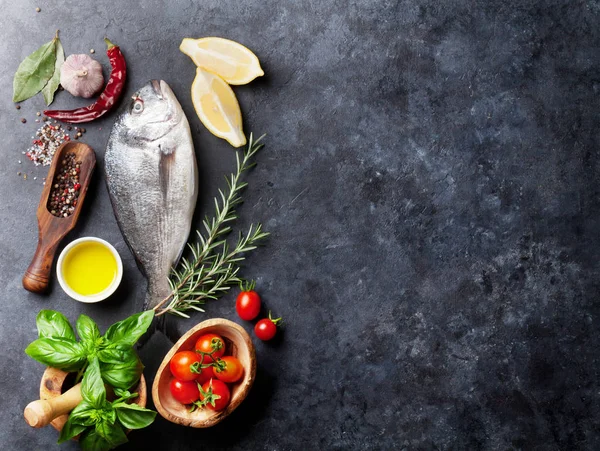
x=54 y=406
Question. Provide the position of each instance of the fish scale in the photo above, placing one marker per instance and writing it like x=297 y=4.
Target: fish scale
x=152 y=180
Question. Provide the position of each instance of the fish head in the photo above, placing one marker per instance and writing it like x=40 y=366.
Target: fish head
x=151 y=112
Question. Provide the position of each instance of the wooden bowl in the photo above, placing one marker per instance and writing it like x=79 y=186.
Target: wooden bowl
x=238 y=344
x=51 y=387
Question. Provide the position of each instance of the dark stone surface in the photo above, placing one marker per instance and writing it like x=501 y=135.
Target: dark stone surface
x=431 y=186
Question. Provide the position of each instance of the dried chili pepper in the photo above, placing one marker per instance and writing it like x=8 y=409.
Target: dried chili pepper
x=108 y=98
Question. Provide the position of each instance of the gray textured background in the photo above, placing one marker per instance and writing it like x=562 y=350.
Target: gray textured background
x=431 y=185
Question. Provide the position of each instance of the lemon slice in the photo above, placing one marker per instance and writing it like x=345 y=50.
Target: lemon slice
x=231 y=61
x=217 y=107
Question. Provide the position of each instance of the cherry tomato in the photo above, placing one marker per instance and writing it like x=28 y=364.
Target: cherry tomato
x=266 y=328
x=216 y=394
x=180 y=365
x=228 y=369
x=247 y=304
x=186 y=392
x=205 y=373
x=208 y=343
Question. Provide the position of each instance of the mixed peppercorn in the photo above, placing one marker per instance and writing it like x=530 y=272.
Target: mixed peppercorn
x=66 y=187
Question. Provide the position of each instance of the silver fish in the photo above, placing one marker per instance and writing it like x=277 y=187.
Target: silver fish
x=152 y=179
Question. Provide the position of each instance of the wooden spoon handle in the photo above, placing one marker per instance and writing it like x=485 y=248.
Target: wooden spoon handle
x=37 y=276
x=41 y=412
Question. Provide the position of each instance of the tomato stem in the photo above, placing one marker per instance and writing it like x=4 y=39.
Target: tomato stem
x=277 y=321
x=216 y=344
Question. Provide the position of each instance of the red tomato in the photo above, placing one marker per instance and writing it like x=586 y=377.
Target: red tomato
x=231 y=370
x=216 y=394
x=247 y=305
x=186 y=392
x=266 y=328
x=208 y=343
x=180 y=365
x=205 y=373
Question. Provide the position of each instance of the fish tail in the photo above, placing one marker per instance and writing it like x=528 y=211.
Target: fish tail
x=156 y=293
x=164 y=324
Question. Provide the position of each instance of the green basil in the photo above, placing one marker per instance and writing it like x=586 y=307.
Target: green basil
x=52 y=85
x=129 y=331
x=87 y=329
x=82 y=414
x=112 y=433
x=124 y=394
x=124 y=374
x=53 y=324
x=133 y=416
x=35 y=71
x=109 y=413
x=92 y=387
x=70 y=430
x=60 y=353
x=92 y=441
x=117 y=354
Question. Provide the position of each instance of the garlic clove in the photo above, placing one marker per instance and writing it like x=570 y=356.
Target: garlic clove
x=81 y=75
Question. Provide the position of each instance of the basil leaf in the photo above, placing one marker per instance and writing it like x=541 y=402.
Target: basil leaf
x=81 y=414
x=117 y=354
x=92 y=387
x=52 y=85
x=53 y=324
x=60 y=353
x=124 y=374
x=109 y=413
x=34 y=72
x=129 y=331
x=133 y=416
x=123 y=393
x=70 y=430
x=92 y=441
x=112 y=433
x=87 y=329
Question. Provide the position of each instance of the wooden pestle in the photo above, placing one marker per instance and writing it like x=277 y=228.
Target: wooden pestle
x=41 y=412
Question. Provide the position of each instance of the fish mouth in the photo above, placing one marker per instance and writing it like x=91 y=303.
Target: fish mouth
x=163 y=91
x=156 y=85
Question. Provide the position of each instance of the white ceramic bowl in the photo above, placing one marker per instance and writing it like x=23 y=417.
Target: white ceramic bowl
x=89 y=299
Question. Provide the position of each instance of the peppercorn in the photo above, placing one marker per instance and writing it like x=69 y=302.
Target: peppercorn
x=65 y=190
x=23 y=120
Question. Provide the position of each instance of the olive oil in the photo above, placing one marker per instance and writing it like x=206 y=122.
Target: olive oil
x=89 y=268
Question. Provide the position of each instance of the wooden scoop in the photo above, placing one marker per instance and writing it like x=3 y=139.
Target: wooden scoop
x=53 y=229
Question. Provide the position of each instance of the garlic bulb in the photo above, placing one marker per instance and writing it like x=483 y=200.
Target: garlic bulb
x=81 y=75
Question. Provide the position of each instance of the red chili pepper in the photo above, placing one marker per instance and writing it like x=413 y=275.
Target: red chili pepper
x=108 y=98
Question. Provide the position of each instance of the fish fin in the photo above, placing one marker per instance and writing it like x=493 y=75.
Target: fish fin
x=167 y=160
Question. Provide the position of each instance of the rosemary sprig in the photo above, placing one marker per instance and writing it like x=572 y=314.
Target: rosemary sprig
x=213 y=268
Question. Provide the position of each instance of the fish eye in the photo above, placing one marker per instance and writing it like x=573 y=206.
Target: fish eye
x=138 y=106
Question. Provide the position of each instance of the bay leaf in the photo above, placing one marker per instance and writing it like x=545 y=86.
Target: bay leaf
x=52 y=85
x=34 y=71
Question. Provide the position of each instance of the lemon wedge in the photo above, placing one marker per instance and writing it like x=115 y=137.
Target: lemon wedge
x=230 y=60
x=217 y=107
